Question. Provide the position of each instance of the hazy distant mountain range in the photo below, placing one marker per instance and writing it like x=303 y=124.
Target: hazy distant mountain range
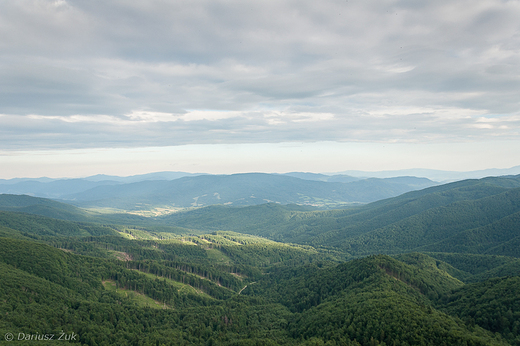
x=181 y=189
x=436 y=175
x=176 y=189
x=344 y=176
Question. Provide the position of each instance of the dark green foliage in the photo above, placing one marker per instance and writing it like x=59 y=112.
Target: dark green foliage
x=270 y=220
x=480 y=267
x=39 y=294
x=62 y=268
x=493 y=304
x=226 y=288
x=384 y=318
x=266 y=254
x=206 y=279
x=475 y=216
x=301 y=288
x=19 y=202
x=494 y=219
x=45 y=226
x=11 y=233
x=51 y=209
x=136 y=249
x=32 y=305
x=376 y=300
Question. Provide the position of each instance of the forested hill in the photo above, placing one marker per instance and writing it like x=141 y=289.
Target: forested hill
x=481 y=215
x=472 y=216
x=156 y=283
x=377 y=300
x=63 y=211
x=43 y=207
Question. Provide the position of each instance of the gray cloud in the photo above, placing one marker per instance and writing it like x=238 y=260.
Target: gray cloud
x=76 y=73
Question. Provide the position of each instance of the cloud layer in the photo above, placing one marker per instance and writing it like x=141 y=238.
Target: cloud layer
x=128 y=73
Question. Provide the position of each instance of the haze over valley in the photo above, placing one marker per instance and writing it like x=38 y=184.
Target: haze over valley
x=439 y=254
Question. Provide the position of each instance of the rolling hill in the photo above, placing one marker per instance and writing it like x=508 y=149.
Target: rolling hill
x=376 y=300
x=186 y=279
x=241 y=190
x=204 y=190
x=464 y=214
x=472 y=216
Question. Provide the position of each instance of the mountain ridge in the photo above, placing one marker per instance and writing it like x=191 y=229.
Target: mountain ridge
x=235 y=189
x=239 y=189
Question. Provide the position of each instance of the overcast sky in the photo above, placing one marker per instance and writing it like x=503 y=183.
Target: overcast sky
x=131 y=86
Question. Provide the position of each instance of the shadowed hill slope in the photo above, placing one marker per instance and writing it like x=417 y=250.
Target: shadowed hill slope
x=468 y=211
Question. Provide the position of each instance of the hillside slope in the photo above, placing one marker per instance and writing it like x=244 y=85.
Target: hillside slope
x=470 y=226
x=463 y=213
x=374 y=301
x=371 y=301
x=137 y=285
x=241 y=190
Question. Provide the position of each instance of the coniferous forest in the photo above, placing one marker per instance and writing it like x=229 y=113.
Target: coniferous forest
x=438 y=266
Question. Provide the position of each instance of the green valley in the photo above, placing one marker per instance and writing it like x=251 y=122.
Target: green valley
x=438 y=266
